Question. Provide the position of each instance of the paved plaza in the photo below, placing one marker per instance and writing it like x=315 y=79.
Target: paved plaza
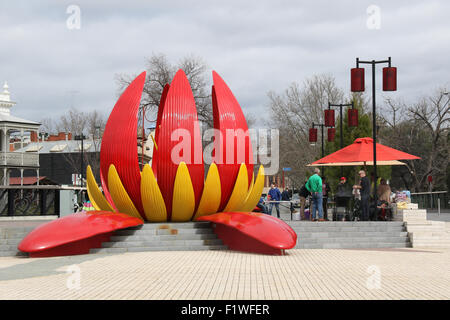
x=301 y=274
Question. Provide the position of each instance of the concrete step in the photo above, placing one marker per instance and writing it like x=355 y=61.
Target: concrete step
x=360 y=245
x=346 y=223
x=8 y=247
x=12 y=253
x=372 y=240
x=164 y=243
x=128 y=232
x=10 y=241
x=346 y=229
x=144 y=237
x=172 y=225
x=356 y=234
x=161 y=248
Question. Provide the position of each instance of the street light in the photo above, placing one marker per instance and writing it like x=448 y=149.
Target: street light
x=389 y=84
x=352 y=120
x=81 y=137
x=313 y=134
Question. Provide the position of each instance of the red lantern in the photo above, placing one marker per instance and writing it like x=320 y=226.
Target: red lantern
x=329 y=118
x=313 y=135
x=390 y=79
x=357 y=79
x=331 y=134
x=352 y=117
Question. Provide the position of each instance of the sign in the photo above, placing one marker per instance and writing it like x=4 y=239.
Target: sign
x=430 y=179
x=287 y=169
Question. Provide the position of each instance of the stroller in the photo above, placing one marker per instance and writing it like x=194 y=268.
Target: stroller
x=342 y=210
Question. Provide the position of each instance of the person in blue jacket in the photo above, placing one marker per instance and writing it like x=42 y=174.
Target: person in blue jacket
x=275 y=195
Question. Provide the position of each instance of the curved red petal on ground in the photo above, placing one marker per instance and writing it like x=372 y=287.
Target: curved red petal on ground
x=158 y=127
x=75 y=233
x=119 y=142
x=179 y=115
x=252 y=232
x=228 y=116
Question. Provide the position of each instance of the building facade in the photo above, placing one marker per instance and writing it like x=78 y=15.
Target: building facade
x=16 y=129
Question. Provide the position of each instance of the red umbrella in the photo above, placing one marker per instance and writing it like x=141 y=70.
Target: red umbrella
x=362 y=151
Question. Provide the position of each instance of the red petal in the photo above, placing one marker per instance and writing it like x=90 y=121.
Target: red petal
x=179 y=112
x=119 y=142
x=75 y=233
x=228 y=115
x=252 y=232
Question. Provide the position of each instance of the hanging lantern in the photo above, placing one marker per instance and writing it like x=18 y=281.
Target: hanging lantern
x=313 y=135
x=329 y=118
x=331 y=134
x=390 y=79
x=357 y=79
x=352 y=117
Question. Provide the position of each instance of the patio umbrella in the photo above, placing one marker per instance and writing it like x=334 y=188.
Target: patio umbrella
x=358 y=163
x=362 y=151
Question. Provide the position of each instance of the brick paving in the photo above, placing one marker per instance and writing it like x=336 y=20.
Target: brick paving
x=302 y=274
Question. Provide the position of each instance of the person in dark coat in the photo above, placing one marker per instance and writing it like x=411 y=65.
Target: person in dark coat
x=325 y=194
x=303 y=194
x=285 y=195
x=364 y=186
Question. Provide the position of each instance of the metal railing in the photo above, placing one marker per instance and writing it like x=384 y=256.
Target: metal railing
x=19 y=159
x=432 y=200
x=40 y=200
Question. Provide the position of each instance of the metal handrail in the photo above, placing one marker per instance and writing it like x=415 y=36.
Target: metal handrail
x=433 y=192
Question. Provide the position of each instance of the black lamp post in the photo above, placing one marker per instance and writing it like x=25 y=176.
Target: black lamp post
x=313 y=134
x=81 y=137
x=341 y=133
x=389 y=84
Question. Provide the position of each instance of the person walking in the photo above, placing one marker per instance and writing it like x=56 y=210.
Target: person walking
x=364 y=187
x=314 y=185
x=303 y=194
x=275 y=195
x=285 y=195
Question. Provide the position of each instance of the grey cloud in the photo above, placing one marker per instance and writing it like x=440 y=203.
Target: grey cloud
x=256 y=46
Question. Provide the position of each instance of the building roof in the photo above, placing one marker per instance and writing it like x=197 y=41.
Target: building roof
x=27 y=181
x=61 y=146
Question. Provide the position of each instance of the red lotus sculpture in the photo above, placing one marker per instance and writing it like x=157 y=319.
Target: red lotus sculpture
x=174 y=187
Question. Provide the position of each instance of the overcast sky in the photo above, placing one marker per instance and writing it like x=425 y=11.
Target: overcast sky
x=256 y=46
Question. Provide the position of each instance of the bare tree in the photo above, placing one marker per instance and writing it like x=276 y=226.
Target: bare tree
x=90 y=124
x=421 y=129
x=293 y=113
x=160 y=72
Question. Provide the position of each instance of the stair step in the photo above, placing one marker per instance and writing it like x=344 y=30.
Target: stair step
x=131 y=244
x=140 y=237
x=372 y=240
x=361 y=245
x=172 y=225
x=10 y=241
x=12 y=253
x=352 y=234
x=128 y=232
x=160 y=248
x=345 y=229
